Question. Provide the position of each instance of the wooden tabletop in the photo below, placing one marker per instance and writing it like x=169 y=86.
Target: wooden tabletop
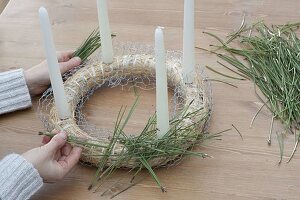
x=239 y=169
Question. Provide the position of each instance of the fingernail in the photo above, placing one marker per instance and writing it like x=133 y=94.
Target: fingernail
x=78 y=149
x=63 y=135
x=78 y=59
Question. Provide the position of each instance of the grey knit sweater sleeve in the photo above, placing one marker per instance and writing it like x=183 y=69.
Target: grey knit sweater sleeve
x=14 y=94
x=19 y=180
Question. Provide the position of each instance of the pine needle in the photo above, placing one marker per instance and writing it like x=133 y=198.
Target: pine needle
x=221 y=81
x=228 y=76
x=281 y=146
x=237 y=131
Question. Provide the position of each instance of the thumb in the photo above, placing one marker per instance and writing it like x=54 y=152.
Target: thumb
x=57 y=142
x=70 y=64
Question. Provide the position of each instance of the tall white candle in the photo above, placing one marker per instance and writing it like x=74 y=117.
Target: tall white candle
x=53 y=67
x=162 y=109
x=188 y=42
x=105 y=34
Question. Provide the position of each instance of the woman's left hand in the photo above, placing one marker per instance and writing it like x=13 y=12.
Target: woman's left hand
x=37 y=77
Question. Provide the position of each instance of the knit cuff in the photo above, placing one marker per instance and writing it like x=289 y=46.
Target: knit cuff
x=18 y=178
x=14 y=94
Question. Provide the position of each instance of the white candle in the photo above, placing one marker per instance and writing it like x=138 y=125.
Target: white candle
x=188 y=42
x=105 y=34
x=162 y=109
x=53 y=67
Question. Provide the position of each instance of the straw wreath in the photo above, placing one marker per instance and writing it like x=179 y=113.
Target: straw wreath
x=146 y=150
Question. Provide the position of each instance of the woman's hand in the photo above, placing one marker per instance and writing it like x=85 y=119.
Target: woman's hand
x=37 y=77
x=54 y=159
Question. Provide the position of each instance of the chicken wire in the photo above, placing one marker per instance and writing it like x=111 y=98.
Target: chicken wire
x=123 y=79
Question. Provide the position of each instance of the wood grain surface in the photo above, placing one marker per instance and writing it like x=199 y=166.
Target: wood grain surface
x=239 y=169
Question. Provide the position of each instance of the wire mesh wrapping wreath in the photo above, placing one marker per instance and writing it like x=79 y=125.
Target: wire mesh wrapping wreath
x=133 y=65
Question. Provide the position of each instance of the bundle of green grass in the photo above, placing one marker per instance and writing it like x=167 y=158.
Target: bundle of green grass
x=270 y=57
